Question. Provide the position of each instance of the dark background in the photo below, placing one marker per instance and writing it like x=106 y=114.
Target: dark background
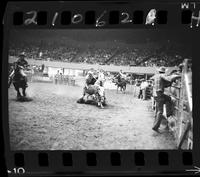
x=125 y=35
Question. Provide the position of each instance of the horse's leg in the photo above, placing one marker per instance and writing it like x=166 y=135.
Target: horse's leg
x=17 y=89
x=98 y=102
x=18 y=93
x=97 y=98
x=101 y=105
x=121 y=88
x=84 y=92
x=124 y=88
x=24 y=91
x=88 y=96
x=101 y=102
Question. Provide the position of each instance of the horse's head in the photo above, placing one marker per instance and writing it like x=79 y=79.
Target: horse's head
x=19 y=72
x=117 y=76
x=17 y=68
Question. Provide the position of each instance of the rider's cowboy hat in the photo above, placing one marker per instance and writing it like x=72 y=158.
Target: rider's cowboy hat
x=170 y=71
x=22 y=54
x=161 y=70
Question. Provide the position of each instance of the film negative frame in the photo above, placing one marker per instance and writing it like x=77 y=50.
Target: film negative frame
x=97 y=162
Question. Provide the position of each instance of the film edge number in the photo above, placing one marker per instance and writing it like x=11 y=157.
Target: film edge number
x=78 y=18
x=19 y=170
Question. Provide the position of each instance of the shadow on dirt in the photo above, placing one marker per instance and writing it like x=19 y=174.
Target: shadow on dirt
x=23 y=99
x=90 y=102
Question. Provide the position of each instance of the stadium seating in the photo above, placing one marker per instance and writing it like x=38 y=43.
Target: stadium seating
x=93 y=55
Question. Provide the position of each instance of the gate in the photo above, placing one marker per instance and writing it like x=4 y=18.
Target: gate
x=181 y=123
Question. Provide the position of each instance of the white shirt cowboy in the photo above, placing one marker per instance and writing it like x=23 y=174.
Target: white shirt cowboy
x=144 y=85
x=101 y=88
x=100 y=83
x=101 y=77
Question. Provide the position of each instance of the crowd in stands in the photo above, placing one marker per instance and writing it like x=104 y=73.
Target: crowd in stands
x=49 y=53
x=93 y=55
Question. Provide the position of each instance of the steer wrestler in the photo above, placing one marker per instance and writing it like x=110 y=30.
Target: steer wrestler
x=89 y=80
x=92 y=86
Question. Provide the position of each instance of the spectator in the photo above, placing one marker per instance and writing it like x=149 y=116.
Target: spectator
x=60 y=78
x=144 y=86
x=140 y=96
x=56 y=77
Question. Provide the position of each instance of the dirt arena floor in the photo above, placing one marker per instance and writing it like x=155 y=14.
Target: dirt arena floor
x=54 y=121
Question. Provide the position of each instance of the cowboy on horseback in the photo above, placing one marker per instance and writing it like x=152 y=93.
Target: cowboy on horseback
x=120 y=81
x=122 y=75
x=17 y=76
x=22 y=64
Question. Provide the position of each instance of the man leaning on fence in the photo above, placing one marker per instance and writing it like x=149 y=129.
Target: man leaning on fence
x=160 y=82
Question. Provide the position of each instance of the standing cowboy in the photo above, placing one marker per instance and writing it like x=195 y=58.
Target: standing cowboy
x=56 y=77
x=140 y=89
x=101 y=77
x=100 y=81
x=161 y=81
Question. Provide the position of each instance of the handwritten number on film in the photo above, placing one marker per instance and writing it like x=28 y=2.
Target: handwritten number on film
x=126 y=18
x=151 y=16
x=54 y=18
x=78 y=18
x=28 y=21
x=101 y=23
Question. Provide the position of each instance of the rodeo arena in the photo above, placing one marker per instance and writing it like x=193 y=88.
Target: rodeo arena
x=64 y=97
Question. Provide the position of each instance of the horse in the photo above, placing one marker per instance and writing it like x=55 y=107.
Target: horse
x=120 y=82
x=19 y=81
